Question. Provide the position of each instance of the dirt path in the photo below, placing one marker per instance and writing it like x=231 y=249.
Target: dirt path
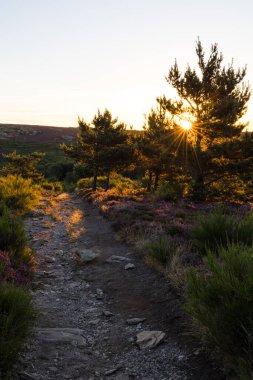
x=81 y=330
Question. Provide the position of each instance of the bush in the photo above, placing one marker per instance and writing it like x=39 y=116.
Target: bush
x=162 y=250
x=17 y=271
x=244 y=231
x=220 y=228
x=16 y=315
x=12 y=233
x=168 y=191
x=18 y=193
x=222 y=303
x=59 y=170
x=52 y=186
x=117 y=181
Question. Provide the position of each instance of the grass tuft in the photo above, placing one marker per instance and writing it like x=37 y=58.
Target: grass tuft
x=221 y=228
x=161 y=250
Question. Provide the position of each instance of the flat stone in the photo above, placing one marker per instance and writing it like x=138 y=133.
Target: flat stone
x=117 y=259
x=38 y=243
x=28 y=376
x=53 y=369
x=100 y=294
x=107 y=313
x=112 y=371
x=86 y=255
x=149 y=339
x=49 y=259
x=94 y=322
x=61 y=335
x=135 y=321
x=129 y=266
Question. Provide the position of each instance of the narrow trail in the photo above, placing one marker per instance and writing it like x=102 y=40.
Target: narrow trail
x=81 y=330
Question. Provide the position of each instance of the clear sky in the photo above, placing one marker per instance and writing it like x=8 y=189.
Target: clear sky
x=64 y=58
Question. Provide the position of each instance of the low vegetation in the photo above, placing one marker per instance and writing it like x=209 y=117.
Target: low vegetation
x=221 y=301
x=18 y=193
x=16 y=314
x=221 y=228
x=162 y=250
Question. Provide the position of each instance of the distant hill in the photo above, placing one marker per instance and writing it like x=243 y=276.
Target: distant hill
x=36 y=133
x=39 y=134
x=26 y=139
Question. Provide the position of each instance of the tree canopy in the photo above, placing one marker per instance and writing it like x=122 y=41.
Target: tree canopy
x=102 y=146
x=213 y=98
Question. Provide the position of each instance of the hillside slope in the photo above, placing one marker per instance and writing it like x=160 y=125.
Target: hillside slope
x=36 y=133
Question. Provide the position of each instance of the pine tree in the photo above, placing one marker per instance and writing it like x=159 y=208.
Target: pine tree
x=154 y=145
x=101 y=146
x=214 y=99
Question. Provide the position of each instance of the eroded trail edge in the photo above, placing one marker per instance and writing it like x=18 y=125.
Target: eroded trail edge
x=93 y=297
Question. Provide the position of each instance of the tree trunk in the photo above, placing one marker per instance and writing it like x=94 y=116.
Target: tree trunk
x=149 y=184
x=107 y=182
x=156 y=181
x=95 y=178
x=199 y=191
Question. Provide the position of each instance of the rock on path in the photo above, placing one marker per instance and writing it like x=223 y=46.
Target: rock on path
x=91 y=311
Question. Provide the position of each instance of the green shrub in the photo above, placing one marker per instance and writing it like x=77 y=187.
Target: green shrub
x=222 y=302
x=168 y=191
x=244 y=231
x=12 y=233
x=117 y=181
x=69 y=187
x=18 y=193
x=216 y=228
x=52 y=186
x=3 y=208
x=220 y=228
x=86 y=183
x=16 y=315
x=59 y=170
x=161 y=250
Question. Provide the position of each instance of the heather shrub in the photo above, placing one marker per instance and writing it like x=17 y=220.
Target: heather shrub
x=221 y=301
x=18 y=193
x=12 y=233
x=17 y=270
x=220 y=228
x=161 y=250
x=16 y=315
x=216 y=228
x=168 y=191
x=244 y=231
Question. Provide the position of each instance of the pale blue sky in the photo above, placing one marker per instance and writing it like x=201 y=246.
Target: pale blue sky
x=64 y=58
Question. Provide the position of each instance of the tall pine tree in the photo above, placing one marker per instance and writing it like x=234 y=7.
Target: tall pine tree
x=214 y=98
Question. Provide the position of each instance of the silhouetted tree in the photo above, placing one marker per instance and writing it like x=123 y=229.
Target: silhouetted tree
x=101 y=146
x=156 y=138
x=213 y=98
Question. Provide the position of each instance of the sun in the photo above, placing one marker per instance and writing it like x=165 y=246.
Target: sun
x=185 y=124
